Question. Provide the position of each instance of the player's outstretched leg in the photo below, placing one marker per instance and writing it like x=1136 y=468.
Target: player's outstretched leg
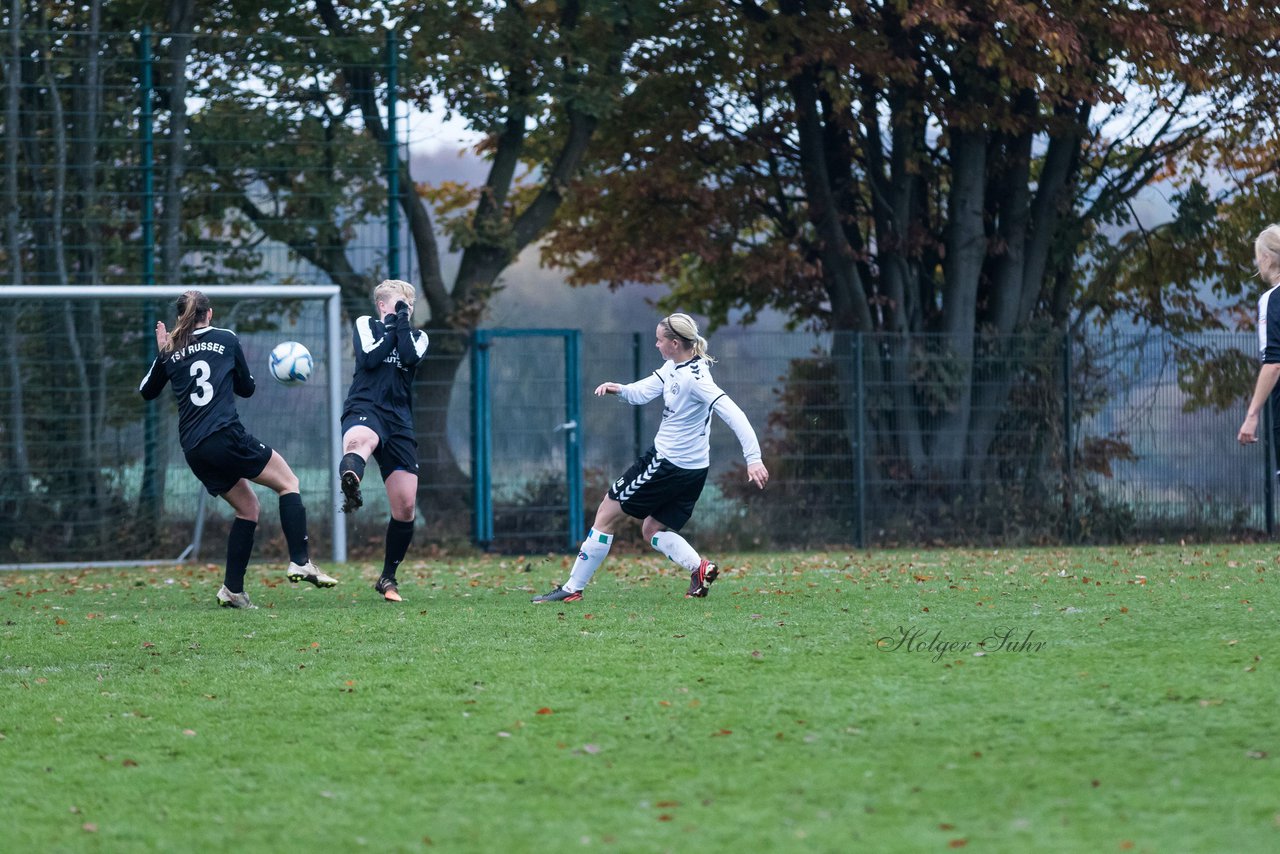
x=389 y=589
x=311 y=573
x=558 y=594
x=700 y=579
x=227 y=599
x=293 y=521
x=351 y=473
x=399 y=536
x=592 y=552
x=702 y=572
x=239 y=548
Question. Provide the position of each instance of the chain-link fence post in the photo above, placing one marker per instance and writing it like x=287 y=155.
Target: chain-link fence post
x=1268 y=475
x=860 y=440
x=1068 y=448
x=393 y=163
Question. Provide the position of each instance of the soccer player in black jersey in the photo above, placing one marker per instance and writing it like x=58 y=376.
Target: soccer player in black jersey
x=1266 y=250
x=206 y=367
x=377 y=418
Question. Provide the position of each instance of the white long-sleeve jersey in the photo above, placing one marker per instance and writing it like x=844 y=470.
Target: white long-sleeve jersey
x=689 y=396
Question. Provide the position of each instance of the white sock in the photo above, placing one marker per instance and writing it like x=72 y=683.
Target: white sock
x=676 y=548
x=593 y=552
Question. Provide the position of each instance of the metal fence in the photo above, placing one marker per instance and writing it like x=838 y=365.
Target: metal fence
x=1092 y=442
x=1088 y=443
x=142 y=157
x=124 y=168
x=1086 y=440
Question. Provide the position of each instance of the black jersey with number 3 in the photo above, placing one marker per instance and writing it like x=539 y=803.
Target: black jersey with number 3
x=204 y=374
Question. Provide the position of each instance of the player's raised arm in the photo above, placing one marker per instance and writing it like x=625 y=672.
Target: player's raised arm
x=241 y=377
x=156 y=378
x=730 y=413
x=372 y=341
x=639 y=392
x=411 y=343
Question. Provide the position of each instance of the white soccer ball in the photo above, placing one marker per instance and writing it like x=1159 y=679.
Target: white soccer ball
x=290 y=363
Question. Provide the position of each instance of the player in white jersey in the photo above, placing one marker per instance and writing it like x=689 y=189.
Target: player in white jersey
x=663 y=485
x=1267 y=256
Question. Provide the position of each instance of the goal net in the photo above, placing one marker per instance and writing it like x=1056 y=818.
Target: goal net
x=93 y=474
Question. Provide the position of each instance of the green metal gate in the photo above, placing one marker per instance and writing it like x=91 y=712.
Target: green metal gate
x=487 y=474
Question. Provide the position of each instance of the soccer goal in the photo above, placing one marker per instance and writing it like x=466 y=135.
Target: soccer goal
x=94 y=475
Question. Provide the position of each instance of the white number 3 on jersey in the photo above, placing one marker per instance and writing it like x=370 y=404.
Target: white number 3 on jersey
x=204 y=392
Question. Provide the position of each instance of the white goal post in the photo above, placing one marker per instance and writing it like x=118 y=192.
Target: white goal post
x=79 y=449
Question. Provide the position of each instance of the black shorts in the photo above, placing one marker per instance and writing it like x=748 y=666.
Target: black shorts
x=655 y=487
x=397 y=447
x=223 y=458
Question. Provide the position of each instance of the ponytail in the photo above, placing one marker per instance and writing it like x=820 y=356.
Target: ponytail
x=685 y=328
x=193 y=309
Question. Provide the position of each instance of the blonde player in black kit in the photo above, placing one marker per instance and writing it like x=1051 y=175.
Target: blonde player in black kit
x=206 y=367
x=377 y=418
x=662 y=486
x=1266 y=252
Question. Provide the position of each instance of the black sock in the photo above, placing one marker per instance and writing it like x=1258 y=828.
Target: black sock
x=239 y=548
x=293 y=521
x=399 y=535
x=352 y=462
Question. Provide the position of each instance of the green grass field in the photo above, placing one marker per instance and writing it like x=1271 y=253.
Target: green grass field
x=1125 y=699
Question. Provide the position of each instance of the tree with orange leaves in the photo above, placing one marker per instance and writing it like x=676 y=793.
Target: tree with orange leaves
x=945 y=172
